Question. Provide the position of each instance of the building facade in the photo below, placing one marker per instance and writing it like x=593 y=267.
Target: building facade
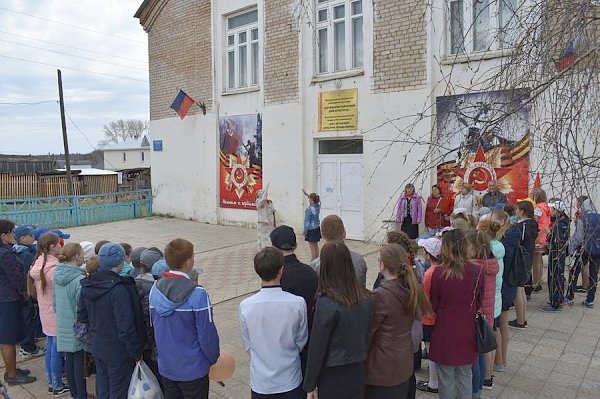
x=338 y=97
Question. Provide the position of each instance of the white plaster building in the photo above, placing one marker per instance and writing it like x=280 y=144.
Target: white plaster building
x=128 y=154
x=275 y=58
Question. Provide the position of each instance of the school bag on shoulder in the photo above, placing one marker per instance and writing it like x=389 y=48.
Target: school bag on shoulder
x=521 y=268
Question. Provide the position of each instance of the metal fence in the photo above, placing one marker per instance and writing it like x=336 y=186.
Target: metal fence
x=79 y=210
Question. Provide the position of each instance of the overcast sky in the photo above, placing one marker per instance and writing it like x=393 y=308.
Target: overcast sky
x=91 y=98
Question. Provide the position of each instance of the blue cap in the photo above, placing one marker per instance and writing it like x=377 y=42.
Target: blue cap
x=159 y=268
x=110 y=256
x=42 y=230
x=24 y=230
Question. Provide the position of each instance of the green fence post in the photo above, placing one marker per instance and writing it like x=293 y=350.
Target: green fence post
x=76 y=210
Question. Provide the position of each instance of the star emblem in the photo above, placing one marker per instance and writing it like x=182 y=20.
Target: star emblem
x=479 y=172
x=240 y=175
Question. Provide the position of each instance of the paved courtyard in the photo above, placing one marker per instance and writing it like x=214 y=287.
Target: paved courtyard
x=556 y=357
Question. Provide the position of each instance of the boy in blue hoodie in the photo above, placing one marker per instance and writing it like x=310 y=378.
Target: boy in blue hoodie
x=25 y=249
x=186 y=337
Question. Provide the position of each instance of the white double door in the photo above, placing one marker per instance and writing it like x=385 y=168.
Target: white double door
x=340 y=182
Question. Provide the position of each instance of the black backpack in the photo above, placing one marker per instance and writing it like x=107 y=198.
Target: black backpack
x=520 y=273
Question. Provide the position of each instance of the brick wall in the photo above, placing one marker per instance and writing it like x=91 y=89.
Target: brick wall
x=281 y=52
x=399 y=48
x=179 y=43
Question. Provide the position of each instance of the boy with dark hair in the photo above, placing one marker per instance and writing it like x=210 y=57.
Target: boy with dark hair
x=25 y=249
x=111 y=308
x=186 y=337
x=274 y=363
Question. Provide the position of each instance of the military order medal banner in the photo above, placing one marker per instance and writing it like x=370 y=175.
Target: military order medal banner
x=338 y=110
x=483 y=137
x=240 y=159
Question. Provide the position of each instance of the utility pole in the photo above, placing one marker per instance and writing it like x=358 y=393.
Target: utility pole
x=64 y=132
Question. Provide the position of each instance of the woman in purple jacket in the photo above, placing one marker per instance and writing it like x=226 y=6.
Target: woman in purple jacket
x=410 y=211
x=13 y=293
x=455 y=295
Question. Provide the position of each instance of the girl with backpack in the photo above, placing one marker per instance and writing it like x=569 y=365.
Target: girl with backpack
x=40 y=283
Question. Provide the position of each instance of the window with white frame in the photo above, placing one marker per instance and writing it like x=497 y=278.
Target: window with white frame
x=481 y=25
x=242 y=50
x=339 y=35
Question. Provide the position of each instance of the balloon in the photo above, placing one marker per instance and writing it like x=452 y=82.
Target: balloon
x=223 y=368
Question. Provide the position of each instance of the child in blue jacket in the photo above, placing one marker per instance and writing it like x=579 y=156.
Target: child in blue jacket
x=186 y=337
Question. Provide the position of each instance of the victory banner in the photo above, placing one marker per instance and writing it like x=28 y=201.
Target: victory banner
x=483 y=137
x=240 y=160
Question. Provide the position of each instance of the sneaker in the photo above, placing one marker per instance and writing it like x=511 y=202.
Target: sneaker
x=569 y=302
x=23 y=371
x=39 y=351
x=488 y=384
x=580 y=289
x=589 y=305
x=57 y=393
x=50 y=390
x=500 y=368
x=20 y=379
x=550 y=308
x=517 y=326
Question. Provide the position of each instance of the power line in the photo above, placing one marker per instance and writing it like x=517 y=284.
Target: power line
x=73 y=69
x=72 y=55
x=74 y=48
x=36 y=103
x=73 y=26
x=87 y=139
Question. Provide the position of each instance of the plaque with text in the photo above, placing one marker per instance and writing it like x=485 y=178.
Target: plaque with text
x=338 y=110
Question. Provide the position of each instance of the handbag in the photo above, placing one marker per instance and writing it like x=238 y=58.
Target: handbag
x=485 y=339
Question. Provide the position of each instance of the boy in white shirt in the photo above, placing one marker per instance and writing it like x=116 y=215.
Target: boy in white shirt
x=274 y=328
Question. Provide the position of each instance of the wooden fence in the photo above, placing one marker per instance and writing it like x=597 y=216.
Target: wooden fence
x=32 y=185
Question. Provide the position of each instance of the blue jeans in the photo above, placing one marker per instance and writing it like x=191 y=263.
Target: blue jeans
x=54 y=364
x=478 y=370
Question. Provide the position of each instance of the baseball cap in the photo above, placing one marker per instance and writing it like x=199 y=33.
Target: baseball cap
x=37 y=234
x=558 y=205
x=432 y=245
x=110 y=256
x=24 y=230
x=283 y=237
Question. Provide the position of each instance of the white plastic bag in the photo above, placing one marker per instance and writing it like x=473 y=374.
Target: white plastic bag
x=143 y=384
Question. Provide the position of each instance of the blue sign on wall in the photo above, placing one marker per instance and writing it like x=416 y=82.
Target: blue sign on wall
x=157 y=145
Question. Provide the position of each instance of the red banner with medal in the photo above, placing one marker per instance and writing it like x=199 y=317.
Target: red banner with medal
x=487 y=138
x=240 y=160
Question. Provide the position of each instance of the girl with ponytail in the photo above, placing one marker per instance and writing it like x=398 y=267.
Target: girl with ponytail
x=40 y=282
x=397 y=302
x=67 y=287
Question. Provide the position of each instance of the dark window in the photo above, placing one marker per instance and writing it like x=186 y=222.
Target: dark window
x=340 y=146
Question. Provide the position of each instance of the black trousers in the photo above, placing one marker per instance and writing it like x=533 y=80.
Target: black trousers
x=74 y=371
x=113 y=377
x=297 y=393
x=409 y=228
x=195 y=389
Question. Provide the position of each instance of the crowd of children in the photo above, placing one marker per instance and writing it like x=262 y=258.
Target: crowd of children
x=102 y=308
x=312 y=330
